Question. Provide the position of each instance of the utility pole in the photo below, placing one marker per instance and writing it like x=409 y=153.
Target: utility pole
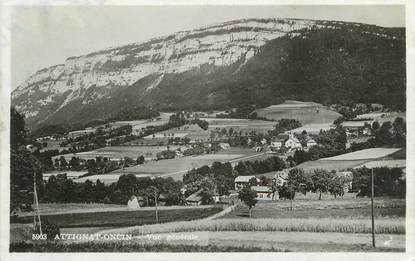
x=373 y=216
x=36 y=203
x=291 y=198
x=155 y=201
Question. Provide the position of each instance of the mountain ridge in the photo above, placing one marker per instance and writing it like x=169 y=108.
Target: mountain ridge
x=154 y=71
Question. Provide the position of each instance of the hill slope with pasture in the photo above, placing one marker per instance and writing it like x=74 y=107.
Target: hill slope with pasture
x=304 y=112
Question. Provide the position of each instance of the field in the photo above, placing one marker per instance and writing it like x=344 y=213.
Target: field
x=354 y=208
x=176 y=168
x=305 y=112
x=385 y=163
x=62 y=208
x=372 y=153
x=117 y=152
x=312 y=128
x=244 y=125
x=123 y=218
x=314 y=225
x=336 y=165
x=354 y=159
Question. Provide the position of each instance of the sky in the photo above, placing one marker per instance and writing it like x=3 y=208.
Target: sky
x=43 y=36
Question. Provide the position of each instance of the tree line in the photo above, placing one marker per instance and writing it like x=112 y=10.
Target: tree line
x=62 y=190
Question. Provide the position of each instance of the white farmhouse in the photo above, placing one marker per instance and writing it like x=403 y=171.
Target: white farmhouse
x=311 y=143
x=293 y=143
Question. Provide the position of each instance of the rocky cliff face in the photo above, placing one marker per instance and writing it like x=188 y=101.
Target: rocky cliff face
x=142 y=73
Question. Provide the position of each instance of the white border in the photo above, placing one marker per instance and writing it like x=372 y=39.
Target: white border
x=4 y=139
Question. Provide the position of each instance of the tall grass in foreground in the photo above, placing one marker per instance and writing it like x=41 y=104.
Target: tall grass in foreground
x=382 y=226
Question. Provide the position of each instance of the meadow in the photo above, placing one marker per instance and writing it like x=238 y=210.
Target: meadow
x=376 y=157
x=320 y=225
x=305 y=112
x=55 y=208
x=330 y=165
x=177 y=167
x=356 y=208
x=372 y=153
x=117 y=152
x=124 y=218
x=312 y=128
x=244 y=125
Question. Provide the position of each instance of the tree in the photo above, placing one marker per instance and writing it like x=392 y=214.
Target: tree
x=301 y=156
x=242 y=169
x=285 y=125
x=74 y=163
x=296 y=181
x=321 y=180
x=385 y=134
x=399 y=131
x=140 y=160
x=223 y=176
x=248 y=197
x=126 y=185
x=207 y=192
x=24 y=167
x=62 y=162
x=375 y=126
x=18 y=132
x=263 y=180
x=336 y=186
x=253 y=182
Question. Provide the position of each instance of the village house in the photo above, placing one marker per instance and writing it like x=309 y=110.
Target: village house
x=349 y=176
x=311 y=143
x=357 y=128
x=280 y=178
x=292 y=143
x=277 y=143
x=195 y=199
x=242 y=181
x=263 y=192
x=224 y=145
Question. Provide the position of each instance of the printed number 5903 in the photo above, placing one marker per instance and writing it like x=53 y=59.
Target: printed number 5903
x=39 y=237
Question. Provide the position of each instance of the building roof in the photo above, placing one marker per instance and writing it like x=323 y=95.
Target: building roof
x=244 y=178
x=354 y=124
x=311 y=140
x=281 y=174
x=195 y=197
x=261 y=189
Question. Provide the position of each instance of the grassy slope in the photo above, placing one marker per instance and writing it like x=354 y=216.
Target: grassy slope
x=306 y=113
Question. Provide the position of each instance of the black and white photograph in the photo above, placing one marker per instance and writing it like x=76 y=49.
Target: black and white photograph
x=205 y=128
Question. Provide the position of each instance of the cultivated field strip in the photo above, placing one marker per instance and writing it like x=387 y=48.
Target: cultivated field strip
x=124 y=218
x=383 y=226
